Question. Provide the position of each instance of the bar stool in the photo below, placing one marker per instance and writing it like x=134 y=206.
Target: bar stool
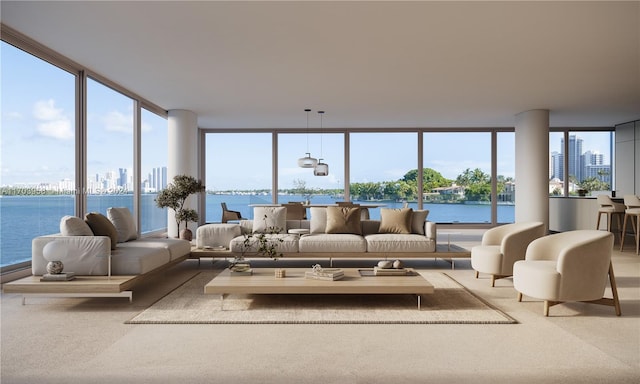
x=632 y=203
x=610 y=208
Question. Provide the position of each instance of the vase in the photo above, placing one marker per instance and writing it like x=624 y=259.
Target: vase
x=186 y=234
x=55 y=267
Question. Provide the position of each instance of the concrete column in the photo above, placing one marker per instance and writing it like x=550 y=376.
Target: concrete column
x=183 y=156
x=532 y=166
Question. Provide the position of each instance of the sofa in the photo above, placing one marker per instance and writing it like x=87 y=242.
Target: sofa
x=105 y=246
x=330 y=232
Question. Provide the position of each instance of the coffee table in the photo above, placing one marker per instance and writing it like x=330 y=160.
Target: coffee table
x=263 y=281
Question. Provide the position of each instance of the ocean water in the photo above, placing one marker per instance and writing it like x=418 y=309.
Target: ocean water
x=24 y=217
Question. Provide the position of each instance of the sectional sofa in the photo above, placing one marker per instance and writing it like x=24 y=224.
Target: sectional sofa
x=331 y=232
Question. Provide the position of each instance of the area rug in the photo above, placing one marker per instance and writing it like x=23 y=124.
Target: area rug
x=451 y=303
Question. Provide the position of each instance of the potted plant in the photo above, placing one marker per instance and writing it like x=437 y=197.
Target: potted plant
x=264 y=244
x=175 y=195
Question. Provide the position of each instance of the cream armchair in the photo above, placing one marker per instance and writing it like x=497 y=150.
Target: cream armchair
x=568 y=266
x=502 y=246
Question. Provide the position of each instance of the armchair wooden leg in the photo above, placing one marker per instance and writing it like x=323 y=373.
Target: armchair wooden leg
x=493 y=280
x=624 y=231
x=477 y=274
x=546 y=308
x=519 y=296
x=615 y=301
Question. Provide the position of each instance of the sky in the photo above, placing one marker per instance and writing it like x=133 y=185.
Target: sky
x=37 y=105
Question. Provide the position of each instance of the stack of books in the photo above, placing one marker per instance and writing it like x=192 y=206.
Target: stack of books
x=377 y=271
x=64 y=276
x=329 y=274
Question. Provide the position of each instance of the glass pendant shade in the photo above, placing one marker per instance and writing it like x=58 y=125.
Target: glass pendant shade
x=307 y=161
x=321 y=169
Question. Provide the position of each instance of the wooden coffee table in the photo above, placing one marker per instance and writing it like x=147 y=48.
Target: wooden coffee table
x=263 y=281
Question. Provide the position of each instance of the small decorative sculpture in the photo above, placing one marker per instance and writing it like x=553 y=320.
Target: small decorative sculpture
x=55 y=267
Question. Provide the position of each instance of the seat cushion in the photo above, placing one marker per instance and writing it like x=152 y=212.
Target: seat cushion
x=487 y=259
x=137 y=260
x=399 y=243
x=289 y=243
x=176 y=247
x=330 y=242
x=537 y=278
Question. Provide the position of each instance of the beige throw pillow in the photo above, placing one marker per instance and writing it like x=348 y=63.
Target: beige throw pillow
x=101 y=226
x=318 y=220
x=122 y=219
x=265 y=219
x=417 y=221
x=343 y=220
x=74 y=226
x=395 y=220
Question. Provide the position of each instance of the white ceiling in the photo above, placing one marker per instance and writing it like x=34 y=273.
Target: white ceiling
x=368 y=64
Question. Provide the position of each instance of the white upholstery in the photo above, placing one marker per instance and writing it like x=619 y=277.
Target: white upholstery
x=86 y=255
x=396 y=242
x=176 y=247
x=568 y=266
x=289 y=243
x=332 y=242
x=502 y=246
x=213 y=235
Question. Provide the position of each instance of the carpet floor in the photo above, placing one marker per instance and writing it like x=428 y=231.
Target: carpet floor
x=451 y=303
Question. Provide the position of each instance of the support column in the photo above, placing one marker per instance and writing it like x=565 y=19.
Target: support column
x=183 y=157
x=532 y=166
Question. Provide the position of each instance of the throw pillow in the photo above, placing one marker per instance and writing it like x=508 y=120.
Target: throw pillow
x=74 y=226
x=101 y=226
x=318 y=220
x=267 y=218
x=395 y=220
x=417 y=221
x=343 y=220
x=122 y=219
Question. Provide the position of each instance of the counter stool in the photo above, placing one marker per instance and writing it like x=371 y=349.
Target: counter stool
x=610 y=208
x=632 y=203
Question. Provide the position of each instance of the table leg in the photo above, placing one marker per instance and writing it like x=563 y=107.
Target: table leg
x=222 y=301
x=418 y=302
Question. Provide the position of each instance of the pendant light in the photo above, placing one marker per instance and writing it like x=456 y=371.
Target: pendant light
x=321 y=169
x=307 y=161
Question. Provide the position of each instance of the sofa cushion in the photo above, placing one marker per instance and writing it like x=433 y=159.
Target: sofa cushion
x=74 y=226
x=266 y=219
x=332 y=243
x=318 y=220
x=399 y=243
x=136 y=260
x=343 y=220
x=101 y=226
x=176 y=247
x=289 y=244
x=394 y=220
x=122 y=219
x=417 y=221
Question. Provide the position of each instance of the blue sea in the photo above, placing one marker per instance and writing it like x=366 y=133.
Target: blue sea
x=24 y=217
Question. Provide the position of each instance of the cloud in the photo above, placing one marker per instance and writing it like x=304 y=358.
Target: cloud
x=52 y=121
x=12 y=116
x=116 y=121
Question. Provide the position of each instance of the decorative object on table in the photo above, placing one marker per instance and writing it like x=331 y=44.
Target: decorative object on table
x=377 y=271
x=239 y=266
x=385 y=264
x=280 y=273
x=175 y=195
x=55 y=267
x=319 y=273
x=307 y=161
x=54 y=252
x=264 y=241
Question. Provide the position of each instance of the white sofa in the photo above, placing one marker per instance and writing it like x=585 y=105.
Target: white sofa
x=95 y=250
x=367 y=238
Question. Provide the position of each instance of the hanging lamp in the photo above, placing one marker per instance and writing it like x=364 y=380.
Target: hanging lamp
x=321 y=169
x=307 y=161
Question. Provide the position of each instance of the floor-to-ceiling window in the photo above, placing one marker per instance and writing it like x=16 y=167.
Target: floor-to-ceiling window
x=505 y=183
x=383 y=167
x=457 y=167
x=238 y=172
x=302 y=184
x=153 y=178
x=110 y=129
x=37 y=151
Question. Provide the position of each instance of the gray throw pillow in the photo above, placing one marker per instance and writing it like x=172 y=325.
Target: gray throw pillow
x=101 y=226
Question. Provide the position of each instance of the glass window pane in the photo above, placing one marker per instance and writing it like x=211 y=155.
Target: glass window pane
x=506 y=186
x=556 y=164
x=458 y=182
x=383 y=168
x=591 y=161
x=238 y=172
x=300 y=184
x=109 y=149
x=153 y=170
x=37 y=151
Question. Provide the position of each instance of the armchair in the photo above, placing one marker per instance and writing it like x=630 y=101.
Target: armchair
x=632 y=203
x=230 y=215
x=502 y=246
x=568 y=266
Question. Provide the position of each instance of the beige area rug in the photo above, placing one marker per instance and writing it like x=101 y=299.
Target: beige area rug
x=451 y=303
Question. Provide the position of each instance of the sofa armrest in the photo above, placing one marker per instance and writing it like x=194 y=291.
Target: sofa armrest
x=430 y=230
x=85 y=255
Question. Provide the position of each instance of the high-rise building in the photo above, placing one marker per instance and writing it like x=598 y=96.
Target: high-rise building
x=574 y=158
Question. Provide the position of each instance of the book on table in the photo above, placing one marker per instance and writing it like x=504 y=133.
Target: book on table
x=389 y=271
x=64 y=276
x=325 y=274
